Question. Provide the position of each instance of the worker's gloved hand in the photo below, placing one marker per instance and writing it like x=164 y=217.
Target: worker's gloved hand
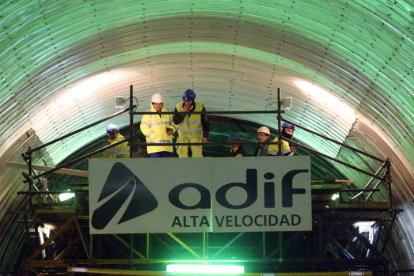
x=170 y=131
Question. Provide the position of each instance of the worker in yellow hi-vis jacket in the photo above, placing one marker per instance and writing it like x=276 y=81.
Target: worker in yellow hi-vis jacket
x=158 y=128
x=119 y=151
x=192 y=128
x=287 y=132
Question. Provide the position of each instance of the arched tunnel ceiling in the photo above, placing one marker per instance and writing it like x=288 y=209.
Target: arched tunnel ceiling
x=343 y=62
x=63 y=63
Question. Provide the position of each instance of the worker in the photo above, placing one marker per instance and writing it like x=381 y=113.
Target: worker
x=236 y=149
x=119 y=151
x=158 y=129
x=287 y=132
x=263 y=134
x=192 y=128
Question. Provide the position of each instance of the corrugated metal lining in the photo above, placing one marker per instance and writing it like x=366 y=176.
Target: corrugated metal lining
x=12 y=233
x=361 y=136
x=62 y=63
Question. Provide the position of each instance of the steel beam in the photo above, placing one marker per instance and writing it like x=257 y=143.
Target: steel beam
x=68 y=248
x=159 y=238
x=118 y=248
x=388 y=232
x=84 y=242
x=337 y=264
x=131 y=248
x=280 y=245
x=233 y=240
x=183 y=244
x=359 y=236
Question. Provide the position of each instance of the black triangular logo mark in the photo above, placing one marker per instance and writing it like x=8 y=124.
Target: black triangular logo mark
x=122 y=181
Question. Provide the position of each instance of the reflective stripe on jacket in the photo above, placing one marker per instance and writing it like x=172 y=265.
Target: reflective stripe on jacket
x=119 y=151
x=190 y=124
x=154 y=127
x=274 y=149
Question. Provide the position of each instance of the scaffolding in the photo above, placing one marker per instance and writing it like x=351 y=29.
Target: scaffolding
x=335 y=244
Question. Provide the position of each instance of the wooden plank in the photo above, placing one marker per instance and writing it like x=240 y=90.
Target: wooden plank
x=48 y=168
x=344 y=182
x=329 y=180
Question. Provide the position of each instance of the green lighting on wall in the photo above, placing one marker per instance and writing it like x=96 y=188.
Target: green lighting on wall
x=206 y=269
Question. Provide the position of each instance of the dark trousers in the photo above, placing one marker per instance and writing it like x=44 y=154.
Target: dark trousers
x=160 y=154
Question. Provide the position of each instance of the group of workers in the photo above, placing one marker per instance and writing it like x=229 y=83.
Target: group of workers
x=263 y=148
x=192 y=127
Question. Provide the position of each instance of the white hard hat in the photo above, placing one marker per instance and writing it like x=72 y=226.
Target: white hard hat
x=111 y=129
x=264 y=129
x=156 y=98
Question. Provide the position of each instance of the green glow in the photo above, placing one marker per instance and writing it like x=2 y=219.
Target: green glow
x=206 y=269
x=261 y=60
x=66 y=196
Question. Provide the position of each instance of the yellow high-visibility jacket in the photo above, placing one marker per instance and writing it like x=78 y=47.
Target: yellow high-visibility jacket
x=154 y=127
x=274 y=149
x=120 y=151
x=191 y=125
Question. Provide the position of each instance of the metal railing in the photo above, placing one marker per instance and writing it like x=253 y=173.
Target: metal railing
x=134 y=141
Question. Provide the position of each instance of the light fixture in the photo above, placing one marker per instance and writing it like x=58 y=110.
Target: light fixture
x=335 y=196
x=366 y=229
x=119 y=101
x=66 y=196
x=364 y=225
x=287 y=102
x=206 y=269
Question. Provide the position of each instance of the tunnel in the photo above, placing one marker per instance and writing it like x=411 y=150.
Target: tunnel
x=347 y=66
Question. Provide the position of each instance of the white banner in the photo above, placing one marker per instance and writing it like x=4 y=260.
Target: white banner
x=161 y=195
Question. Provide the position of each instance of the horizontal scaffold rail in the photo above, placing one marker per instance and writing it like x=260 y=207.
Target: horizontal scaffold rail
x=78 y=130
x=83 y=157
x=207 y=112
x=334 y=141
x=338 y=161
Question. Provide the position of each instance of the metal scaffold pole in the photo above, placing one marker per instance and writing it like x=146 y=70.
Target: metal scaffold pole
x=279 y=118
x=131 y=121
x=333 y=244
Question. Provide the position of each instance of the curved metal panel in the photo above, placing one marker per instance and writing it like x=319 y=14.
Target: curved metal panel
x=63 y=62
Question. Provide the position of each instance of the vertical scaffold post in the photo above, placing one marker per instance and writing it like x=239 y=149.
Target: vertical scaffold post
x=91 y=252
x=131 y=121
x=131 y=247
x=205 y=245
x=389 y=181
x=281 y=252
x=29 y=164
x=279 y=104
x=148 y=244
x=26 y=225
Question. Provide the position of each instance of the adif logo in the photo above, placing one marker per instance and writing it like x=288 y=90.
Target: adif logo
x=121 y=182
